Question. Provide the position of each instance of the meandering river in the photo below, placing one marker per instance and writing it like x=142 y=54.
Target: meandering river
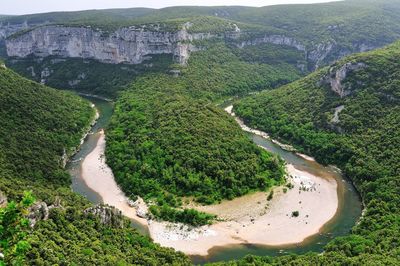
x=349 y=209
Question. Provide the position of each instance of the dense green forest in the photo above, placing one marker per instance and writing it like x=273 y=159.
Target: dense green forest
x=169 y=143
x=36 y=124
x=364 y=142
x=87 y=76
x=34 y=138
x=164 y=145
x=168 y=140
x=218 y=72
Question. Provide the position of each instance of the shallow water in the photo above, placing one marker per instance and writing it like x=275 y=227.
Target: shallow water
x=349 y=210
x=105 y=110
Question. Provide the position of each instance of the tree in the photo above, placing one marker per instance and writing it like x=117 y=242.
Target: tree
x=14 y=230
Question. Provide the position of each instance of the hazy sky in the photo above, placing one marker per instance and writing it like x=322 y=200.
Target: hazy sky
x=17 y=7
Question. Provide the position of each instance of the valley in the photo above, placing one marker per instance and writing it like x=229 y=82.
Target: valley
x=244 y=219
x=223 y=135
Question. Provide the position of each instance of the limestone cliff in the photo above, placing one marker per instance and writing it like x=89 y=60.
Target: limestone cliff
x=132 y=45
x=275 y=39
x=108 y=215
x=7 y=29
x=316 y=54
x=126 y=45
x=337 y=75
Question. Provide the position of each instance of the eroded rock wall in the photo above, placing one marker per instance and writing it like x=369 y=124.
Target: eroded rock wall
x=125 y=45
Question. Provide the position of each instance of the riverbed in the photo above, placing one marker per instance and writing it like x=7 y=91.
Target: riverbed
x=267 y=233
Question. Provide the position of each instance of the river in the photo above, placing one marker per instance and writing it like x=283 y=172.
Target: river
x=349 y=209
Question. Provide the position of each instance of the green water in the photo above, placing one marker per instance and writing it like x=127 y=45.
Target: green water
x=350 y=206
x=105 y=109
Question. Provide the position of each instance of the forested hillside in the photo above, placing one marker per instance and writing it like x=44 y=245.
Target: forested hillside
x=87 y=76
x=37 y=124
x=348 y=115
x=171 y=144
x=164 y=145
x=36 y=133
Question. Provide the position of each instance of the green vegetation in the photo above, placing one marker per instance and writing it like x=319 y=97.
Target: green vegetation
x=348 y=25
x=14 y=228
x=168 y=141
x=37 y=124
x=217 y=73
x=365 y=144
x=162 y=145
x=88 y=76
x=295 y=214
x=187 y=216
x=271 y=54
x=36 y=133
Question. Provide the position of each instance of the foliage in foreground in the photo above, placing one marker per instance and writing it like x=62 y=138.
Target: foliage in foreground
x=14 y=229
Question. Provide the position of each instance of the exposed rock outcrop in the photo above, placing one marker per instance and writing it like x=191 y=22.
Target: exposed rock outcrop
x=37 y=212
x=133 y=45
x=335 y=118
x=275 y=39
x=40 y=211
x=3 y=199
x=336 y=77
x=126 y=45
x=7 y=29
x=317 y=54
x=141 y=207
x=108 y=215
x=320 y=52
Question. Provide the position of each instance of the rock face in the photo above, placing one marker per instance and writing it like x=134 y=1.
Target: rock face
x=40 y=211
x=317 y=54
x=108 y=215
x=335 y=78
x=141 y=207
x=9 y=29
x=132 y=45
x=275 y=39
x=125 y=45
x=37 y=212
x=335 y=118
x=3 y=199
x=321 y=51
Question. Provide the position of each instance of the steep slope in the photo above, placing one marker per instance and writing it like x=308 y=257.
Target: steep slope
x=348 y=115
x=37 y=125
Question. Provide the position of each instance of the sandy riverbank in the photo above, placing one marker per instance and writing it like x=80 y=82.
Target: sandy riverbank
x=99 y=177
x=254 y=219
x=248 y=219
